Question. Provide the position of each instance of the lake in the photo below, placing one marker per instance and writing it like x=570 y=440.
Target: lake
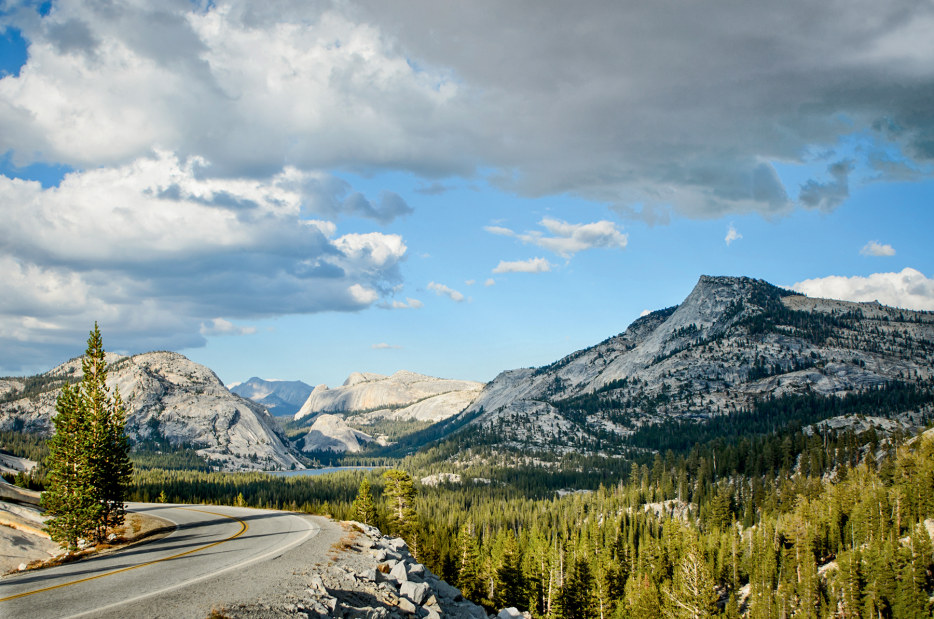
x=324 y=471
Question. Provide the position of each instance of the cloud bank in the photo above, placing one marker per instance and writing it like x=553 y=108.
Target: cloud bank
x=162 y=258
x=909 y=289
x=656 y=109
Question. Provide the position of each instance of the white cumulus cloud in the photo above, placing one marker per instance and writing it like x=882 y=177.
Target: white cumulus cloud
x=909 y=289
x=875 y=248
x=156 y=252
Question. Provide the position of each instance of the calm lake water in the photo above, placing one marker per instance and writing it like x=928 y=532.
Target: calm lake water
x=324 y=471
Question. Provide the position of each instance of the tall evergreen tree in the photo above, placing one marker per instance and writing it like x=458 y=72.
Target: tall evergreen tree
x=69 y=498
x=575 y=599
x=111 y=469
x=507 y=572
x=692 y=595
x=400 y=495
x=912 y=600
x=468 y=577
x=642 y=598
x=364 y=509
x=89 y=454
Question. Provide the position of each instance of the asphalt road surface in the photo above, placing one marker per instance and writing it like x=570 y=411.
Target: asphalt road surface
x=216 y=555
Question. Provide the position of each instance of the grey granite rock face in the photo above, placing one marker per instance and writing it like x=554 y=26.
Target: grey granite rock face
x=404 y=395
x=733 y=340
x=331 y=433
x=168 y=395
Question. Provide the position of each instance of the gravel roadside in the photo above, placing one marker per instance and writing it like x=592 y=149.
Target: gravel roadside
x=362 y=574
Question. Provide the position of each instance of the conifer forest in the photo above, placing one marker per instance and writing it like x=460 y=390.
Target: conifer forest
x=827 y=524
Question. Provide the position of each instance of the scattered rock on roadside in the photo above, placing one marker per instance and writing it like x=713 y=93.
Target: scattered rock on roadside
x=372 y=576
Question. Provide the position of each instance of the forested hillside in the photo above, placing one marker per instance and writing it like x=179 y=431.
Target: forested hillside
x=807 y=521
x=733 y=343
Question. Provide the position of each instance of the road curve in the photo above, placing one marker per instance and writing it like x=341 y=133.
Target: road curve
x=179 y=575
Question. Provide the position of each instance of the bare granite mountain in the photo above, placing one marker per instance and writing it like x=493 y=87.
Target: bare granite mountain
x=731 y=343
x=169 y=397
x=282 y=398
x=402 y=396
x=331 y=433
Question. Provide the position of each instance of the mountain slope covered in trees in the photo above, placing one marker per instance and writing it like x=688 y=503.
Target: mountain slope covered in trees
x=732 y=344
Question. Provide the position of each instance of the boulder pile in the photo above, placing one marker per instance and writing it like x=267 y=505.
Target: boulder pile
x=371 y=576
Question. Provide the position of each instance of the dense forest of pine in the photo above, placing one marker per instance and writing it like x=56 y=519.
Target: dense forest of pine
x=836 y=524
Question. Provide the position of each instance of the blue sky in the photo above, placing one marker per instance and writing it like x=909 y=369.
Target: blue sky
x=303 y=190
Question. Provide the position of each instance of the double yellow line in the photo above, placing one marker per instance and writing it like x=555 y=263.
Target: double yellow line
x=243 y=528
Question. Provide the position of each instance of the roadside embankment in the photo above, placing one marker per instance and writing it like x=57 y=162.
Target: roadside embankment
x=369 y=575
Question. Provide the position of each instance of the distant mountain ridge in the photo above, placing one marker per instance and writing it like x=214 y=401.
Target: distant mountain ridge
x=167 y=396
x=404 y=395
x=282 y=398
x=731 y=342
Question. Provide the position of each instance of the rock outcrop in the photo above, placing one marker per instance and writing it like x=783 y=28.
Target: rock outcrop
x=732 y=341
x=402 y=396
x=169 y=397
x=330 y=433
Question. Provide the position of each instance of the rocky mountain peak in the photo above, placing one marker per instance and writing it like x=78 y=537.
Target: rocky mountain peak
x=372 y=393
x=357 y=378
x=331 y=433
x=175 y=399
x=732 y=341
x=280 y=397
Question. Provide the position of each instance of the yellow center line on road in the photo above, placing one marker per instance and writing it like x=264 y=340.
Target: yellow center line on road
x=243 y=527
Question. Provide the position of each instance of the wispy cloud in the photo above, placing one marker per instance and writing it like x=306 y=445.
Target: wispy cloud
x=385 y=346
x=409 y=303
x=875 y=248
x=827 y=195
x=732 y=235
x=444 y=291
x=533 y=265
x=219 y=326
x=567 y=239
x=500 y=230
x=489 y=282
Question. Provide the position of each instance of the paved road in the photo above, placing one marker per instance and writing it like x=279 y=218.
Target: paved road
x=176 y=576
